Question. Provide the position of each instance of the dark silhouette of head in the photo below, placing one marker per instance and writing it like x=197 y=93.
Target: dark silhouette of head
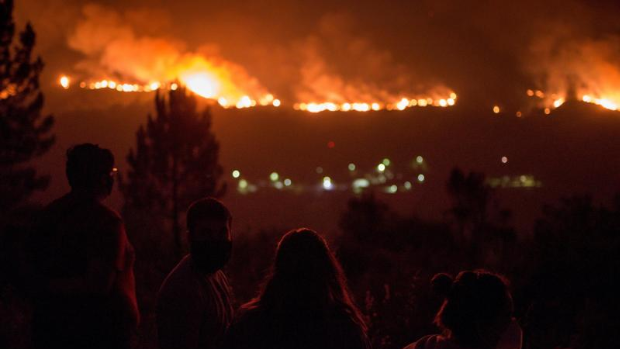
x=208 y=224
x=90 y=170
x=306 y=277
x=477 y=307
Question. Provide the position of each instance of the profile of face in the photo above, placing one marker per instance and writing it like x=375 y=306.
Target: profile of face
x=210 y=244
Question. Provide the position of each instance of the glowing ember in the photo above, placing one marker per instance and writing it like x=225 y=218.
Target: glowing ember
x=64 y=82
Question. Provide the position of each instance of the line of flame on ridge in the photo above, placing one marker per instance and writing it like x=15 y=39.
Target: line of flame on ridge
x=201 y=88
x=197 y=86
x=402 y=104
x=556 y=101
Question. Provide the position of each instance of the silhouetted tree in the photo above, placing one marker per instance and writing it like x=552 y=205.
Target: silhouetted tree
x=175 y=162
x=24 y=132
x=482 y=226
x=470 y=199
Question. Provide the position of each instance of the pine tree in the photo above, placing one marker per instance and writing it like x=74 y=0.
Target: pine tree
x=24 y=132
x=175 y=162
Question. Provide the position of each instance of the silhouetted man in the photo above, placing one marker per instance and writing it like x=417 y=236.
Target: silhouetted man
x=194 y=303
x=86 y=287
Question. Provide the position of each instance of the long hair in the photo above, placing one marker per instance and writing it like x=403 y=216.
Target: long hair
x=306 y=277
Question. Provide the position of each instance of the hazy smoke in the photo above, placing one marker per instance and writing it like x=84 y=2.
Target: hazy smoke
x=338 y=66
x=114 y=49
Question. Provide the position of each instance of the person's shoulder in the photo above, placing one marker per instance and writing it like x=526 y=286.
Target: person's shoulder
x=106 y=213
x=433 y=341
x=180 y=282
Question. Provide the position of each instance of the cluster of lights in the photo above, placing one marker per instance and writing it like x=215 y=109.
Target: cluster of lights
x=523 y=181
x=378 y=177
x=402 y=104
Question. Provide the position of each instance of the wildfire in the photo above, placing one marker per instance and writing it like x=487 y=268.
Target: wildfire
x=201 y=84
x=402 y=104
x=555 y=101
x=208 y=86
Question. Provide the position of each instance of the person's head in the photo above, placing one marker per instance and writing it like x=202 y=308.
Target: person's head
x=477 y=307
x=306 y=275
x=208 y=226
x=90 y=169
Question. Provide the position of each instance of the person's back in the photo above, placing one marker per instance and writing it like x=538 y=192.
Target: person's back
x=263 y=329
x=84 y=262
x=194 y=302
x=193 y=309
x=305 y=302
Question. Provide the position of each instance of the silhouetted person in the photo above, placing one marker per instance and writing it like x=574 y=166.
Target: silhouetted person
x=476 y=313
x=85 y=289
x=305 y=302
x=194 y=303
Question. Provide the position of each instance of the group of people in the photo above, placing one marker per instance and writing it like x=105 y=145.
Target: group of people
x=85 y=293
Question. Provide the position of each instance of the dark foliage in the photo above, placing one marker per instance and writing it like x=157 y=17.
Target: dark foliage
x=24 y=132
x=175 y=161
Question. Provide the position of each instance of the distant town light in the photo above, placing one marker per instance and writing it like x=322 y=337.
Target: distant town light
x=274 y=176
x=236 y=174
x=421 y=178
x=419 y=159
x=496 y=109
x=408 y=185
x=351 y=167
x=381 y=167
x=327 y=183
x=386 y=162
x=504 y=159
x=243 y=184
x=288 y=182
x=319 y=170
x=392 y=189
x=361 y=183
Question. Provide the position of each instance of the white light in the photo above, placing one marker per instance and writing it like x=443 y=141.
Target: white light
x=288 y=182
x=236 y=174
x=327 y=183
x=274 y=176
x=392 y=189
x=408 y=185
x=243 y=184
x=361 y=183
x=386 y=162
x=381 y=167
x=419 y=159
x=421 y=178
x=351 y=167
x=504 y=159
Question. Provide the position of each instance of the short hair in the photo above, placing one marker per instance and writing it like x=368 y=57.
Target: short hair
x=474 y=300
x=86 y=163
x=207 y=208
